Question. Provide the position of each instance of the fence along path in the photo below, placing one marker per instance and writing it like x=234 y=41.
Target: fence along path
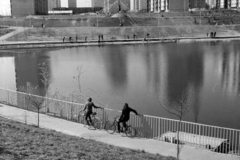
x=207 y=137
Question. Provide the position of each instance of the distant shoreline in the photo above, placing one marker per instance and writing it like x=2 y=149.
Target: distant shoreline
x=53 y=44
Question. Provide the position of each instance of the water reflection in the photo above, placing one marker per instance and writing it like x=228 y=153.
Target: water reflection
x=209 y=72
x=183 y=69
x=115 y=62
x=26 y=68
x=230 y=70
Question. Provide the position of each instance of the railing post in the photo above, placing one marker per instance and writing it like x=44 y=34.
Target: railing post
x=199 y=136
x=238 y=143
x=8 y=97
x=24 y=105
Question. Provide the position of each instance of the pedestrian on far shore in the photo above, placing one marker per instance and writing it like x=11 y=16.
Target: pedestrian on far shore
x=99 y=36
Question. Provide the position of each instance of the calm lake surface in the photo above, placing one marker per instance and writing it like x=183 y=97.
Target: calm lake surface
x=137 y=74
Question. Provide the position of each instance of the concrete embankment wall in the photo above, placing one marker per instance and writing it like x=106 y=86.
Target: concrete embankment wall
x=109 y=33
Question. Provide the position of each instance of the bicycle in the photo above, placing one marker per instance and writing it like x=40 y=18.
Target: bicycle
x=111 y=127
x=96 y=122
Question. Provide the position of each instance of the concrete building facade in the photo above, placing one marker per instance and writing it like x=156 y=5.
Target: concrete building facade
x=138 y=5
x=72 y=3
x=178 y=5
x=53 y=4
x=22 y=7
x=168 y=5
x=29 y=7
x=197 y=4
x=158 y=5
x=41 y=7
x=227 y=4
x=211 y=3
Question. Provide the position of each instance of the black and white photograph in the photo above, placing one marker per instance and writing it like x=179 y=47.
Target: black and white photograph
x=119 y=79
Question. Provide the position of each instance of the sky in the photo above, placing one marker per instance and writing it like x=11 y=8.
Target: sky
x=64 y=3
x=5 y=8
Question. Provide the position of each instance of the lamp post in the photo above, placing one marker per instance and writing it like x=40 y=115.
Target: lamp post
x=97 y=19
x=30 y=19
x=200 y=17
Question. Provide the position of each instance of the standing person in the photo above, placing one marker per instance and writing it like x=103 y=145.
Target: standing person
x=99 y=36
x=125 y=116
x=89 y=107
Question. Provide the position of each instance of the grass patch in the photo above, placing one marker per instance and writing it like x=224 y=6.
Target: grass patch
x=24 y=142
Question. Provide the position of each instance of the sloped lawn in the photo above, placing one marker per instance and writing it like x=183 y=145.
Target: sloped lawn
x=22 y=142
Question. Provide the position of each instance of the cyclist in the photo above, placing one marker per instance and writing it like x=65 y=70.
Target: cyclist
x=89 y=107
x=125 y=116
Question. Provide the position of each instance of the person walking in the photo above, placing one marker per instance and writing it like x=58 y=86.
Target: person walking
x=89 y=107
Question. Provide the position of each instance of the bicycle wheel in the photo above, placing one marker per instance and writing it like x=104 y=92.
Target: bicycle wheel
x=110 y=127
x=130 y=132
x=97 y=123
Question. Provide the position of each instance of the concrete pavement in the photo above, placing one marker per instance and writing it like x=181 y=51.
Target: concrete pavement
x=76 y=129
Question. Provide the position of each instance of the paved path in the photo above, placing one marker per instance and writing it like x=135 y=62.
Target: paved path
x=6 y=36
x=76 y=129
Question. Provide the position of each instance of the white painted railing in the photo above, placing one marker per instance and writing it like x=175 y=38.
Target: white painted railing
x=212 y=138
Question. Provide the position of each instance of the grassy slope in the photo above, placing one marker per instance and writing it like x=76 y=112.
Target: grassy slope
x=22 y=142
x=177 y=30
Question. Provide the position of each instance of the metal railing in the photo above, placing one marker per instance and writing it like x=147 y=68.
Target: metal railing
x=212 y=138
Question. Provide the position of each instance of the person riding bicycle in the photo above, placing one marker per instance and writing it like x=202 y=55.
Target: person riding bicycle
x=125 y=116
x=89 y=107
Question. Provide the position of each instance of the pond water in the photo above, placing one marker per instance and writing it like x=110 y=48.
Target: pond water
x=144 y=76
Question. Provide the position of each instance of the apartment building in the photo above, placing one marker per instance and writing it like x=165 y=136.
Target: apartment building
x=53 y=4
x=138 y=5
x=197 y=4
x=227 y=4
x=22 y=7
x=72 y=3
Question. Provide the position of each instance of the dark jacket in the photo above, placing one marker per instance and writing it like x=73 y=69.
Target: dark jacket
x=126 y=113
x=89 y=106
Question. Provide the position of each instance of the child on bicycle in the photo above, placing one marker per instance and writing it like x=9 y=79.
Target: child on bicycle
x=125 y=116
x=89 y=107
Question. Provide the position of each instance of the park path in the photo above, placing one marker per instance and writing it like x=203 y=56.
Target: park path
x=76 y=129
x=6 y=36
